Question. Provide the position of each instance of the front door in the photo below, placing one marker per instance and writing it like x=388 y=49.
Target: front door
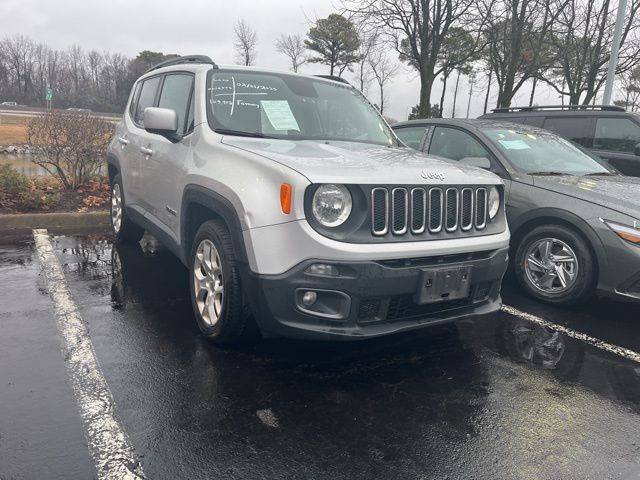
x=165 y=159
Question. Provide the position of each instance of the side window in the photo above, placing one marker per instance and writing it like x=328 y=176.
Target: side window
x=411 y=136
x=571 y=128
x=617 y=134
x=134 y=99
x=456 y=144
x=146 y=98
x=536 y=121
x=176 y=92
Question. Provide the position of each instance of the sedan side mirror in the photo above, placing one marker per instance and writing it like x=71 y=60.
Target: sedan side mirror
x=636 y=149
x=161 y=121
x=479 y=162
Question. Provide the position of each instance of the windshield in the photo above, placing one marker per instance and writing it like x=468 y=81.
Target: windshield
x=542 y=152
x=292 y=107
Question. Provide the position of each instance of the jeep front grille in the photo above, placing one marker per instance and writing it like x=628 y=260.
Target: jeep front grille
x=422 y=209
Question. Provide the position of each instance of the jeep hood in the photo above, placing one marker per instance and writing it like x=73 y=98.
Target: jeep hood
x=618 y=192
x=361 y=163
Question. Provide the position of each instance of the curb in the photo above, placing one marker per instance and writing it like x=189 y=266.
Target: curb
x=72 y=222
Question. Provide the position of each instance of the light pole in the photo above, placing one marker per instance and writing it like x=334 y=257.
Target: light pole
x=615 y=47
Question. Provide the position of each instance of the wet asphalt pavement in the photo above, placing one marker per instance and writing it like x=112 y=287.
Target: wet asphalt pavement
x=496 y=397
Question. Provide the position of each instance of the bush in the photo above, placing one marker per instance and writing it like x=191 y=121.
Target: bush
x=12 y=182
x=70 y=146
x=19 y=192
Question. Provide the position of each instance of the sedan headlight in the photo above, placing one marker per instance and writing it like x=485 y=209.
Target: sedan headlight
x=331 y=205
x=494 y=202
x=626 y=232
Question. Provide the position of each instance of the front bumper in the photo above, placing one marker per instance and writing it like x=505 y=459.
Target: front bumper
x=381 y=296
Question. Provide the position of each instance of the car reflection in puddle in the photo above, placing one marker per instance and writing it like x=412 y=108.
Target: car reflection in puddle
x=568 y=359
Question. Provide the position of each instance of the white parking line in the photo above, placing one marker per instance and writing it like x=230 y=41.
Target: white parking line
x=607 y=347
x=108 y=444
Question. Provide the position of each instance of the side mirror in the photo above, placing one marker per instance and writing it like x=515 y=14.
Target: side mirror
x=636 y=150
x=479 y=162
x=162 y=121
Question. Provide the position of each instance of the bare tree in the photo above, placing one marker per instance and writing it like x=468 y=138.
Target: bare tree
x=383 y=69
x=517 y=37
x=293 y=47
x=582 y=44
x=416 y=29
x=368 y=43
x=245 y=43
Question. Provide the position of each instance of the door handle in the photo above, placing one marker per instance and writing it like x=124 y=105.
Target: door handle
x=146 y=151
x=123 y=141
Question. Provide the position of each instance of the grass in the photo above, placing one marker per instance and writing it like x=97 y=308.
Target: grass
x=13 y=129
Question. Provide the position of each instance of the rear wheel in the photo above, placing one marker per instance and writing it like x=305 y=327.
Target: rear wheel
x=123 y=228
x=554 y=264
x=216 y=292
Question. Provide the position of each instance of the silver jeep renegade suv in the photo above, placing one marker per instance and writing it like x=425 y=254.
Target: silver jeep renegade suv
x=294 y=205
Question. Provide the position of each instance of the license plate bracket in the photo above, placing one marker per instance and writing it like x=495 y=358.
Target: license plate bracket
x=443 y=284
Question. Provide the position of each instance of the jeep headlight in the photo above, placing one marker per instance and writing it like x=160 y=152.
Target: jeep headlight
x=331 y=205
x=494 y=202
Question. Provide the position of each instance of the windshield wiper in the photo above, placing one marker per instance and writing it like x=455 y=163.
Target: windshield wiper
x=593 y=174
x=548 y=173
x=240 y=133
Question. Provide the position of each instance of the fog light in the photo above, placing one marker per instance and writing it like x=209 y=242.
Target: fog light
x=309 y=298
x=323 y=270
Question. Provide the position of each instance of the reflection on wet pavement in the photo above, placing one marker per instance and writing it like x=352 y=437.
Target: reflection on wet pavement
x=497 y=397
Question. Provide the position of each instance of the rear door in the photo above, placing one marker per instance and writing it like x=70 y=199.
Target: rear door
x=166 y=159
x=615 y=140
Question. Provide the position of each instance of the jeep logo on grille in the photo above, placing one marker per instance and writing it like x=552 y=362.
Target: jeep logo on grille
x=432 y=175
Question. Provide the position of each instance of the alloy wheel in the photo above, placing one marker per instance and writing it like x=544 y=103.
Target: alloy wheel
x=208 y=282
x=116 y=207
x=551 y=265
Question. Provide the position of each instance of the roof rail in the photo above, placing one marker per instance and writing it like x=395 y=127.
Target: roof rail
x=335 y=78
x=537 y=108
x=184 y=59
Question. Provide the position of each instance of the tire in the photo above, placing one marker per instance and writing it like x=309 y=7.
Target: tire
x=221 y=316
x=538 y=273
x=124 y=230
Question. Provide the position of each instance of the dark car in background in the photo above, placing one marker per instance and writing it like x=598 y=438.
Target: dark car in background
x=608 y=131
x=575 y=223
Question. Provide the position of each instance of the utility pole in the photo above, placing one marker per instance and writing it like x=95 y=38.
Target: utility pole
x=615 y=47
x=472 y=81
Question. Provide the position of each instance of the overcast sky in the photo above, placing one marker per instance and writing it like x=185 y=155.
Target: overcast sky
x=206 y=27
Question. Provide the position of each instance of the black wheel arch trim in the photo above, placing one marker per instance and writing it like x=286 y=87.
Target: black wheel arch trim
x=112 y=160
x=220 y=206
x=564 y=217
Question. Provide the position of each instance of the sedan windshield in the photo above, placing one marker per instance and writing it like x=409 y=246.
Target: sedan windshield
x=292 y=107
x=541 y=152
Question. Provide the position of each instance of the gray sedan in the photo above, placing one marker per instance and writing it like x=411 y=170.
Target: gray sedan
x=575 y=223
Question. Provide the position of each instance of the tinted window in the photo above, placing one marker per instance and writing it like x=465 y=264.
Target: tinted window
x=573 y=128
x=617 y=134
x=176 y=92
x=533 y=121
x=411 y=136
x=456 y=144
x=146 y=98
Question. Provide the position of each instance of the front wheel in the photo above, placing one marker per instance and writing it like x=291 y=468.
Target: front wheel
x=216 y=292
x=554 y=264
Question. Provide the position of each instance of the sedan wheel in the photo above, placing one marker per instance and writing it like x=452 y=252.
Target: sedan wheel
x=551 y=265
